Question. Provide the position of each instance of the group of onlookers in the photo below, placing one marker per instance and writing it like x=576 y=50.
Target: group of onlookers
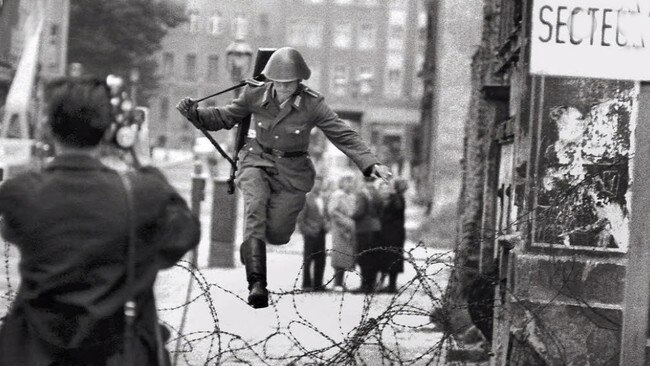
x=366 y=223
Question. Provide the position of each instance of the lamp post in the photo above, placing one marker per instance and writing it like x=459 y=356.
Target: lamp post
x=224 y=206
x=239 y=56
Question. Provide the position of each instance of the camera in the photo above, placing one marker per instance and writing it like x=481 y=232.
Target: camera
x=127 y=118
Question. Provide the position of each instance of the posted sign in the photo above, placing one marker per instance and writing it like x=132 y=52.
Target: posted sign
x=607 y=39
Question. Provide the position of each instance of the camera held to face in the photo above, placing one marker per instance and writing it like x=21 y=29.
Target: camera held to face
x=127 y=119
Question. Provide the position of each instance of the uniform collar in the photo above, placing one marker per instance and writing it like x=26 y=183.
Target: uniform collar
x=76 y=162
x=297 y=96
x=268 y=94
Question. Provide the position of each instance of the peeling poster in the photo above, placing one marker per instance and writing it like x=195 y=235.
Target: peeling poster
x=583 y=172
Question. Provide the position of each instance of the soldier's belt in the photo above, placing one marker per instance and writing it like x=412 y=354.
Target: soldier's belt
x=283 y=154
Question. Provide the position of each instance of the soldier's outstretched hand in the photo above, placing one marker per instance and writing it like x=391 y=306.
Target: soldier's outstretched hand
x=381 y=171
x=187 y=107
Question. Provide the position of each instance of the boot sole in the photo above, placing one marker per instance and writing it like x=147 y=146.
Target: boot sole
x=258 y=301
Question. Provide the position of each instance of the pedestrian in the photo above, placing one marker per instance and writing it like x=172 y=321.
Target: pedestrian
x=393 y=232
x=313 y=224
x=72 y=224
x=341 y=208
x=368 y=226
x=275 y=171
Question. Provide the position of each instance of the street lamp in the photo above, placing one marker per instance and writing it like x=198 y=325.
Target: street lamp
x=239 y=57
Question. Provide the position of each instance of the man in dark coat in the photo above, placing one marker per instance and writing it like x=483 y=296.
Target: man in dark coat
x=70 y=225
x=313 y=224
x=367 y=217
x=393 y=232
x=276 y=172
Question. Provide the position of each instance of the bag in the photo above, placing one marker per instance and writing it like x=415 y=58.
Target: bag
x=130 y=307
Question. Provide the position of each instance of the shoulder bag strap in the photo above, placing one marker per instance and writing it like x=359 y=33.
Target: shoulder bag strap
x=130 y=305
x=130 y=308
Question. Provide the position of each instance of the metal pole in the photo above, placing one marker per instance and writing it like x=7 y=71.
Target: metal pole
x=224 y=221
x=198 y=195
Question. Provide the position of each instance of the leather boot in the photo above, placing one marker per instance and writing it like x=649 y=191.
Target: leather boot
x=253 y=255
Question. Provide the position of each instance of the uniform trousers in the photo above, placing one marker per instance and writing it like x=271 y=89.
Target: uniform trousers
x=271 y=205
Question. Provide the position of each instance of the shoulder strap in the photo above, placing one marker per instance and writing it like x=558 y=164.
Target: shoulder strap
x=130 y=308
x=130 y=305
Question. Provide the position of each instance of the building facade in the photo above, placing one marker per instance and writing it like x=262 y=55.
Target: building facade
x=364 y=57
x=15 y=18
x=550 y=262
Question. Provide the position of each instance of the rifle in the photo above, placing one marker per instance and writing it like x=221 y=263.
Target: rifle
x=262 y=57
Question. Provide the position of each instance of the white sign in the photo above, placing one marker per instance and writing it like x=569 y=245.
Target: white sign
x=607 y=39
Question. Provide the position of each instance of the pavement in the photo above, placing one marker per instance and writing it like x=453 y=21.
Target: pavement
x=169 y=157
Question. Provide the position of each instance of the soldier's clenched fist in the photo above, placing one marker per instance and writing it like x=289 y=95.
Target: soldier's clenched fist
x=187 y=107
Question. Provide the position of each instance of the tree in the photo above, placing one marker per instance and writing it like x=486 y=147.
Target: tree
x=115 y=36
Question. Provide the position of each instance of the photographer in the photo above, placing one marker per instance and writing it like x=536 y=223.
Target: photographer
x=71 y=223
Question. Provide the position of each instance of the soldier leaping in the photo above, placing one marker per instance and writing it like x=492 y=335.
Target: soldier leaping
x=275 y=171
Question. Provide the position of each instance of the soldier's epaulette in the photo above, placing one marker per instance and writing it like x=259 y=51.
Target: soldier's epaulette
x=310 y=91
x=253 y=82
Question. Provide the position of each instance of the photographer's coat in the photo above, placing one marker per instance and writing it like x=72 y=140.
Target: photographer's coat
x=70 y=225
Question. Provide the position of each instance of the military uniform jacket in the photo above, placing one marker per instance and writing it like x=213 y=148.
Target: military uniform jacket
x=287 y=129
x=70 y=224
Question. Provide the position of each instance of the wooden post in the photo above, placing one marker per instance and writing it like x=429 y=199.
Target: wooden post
x=637 y=277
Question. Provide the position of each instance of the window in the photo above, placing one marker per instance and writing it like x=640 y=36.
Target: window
x=164 y=108
x=394 y=77
x=168 y=65
x=396 y=35
x=216 y=24
x=213 y=68
x=397 y=17
x=342 y=1
x=305 y=33
x=365 y=79
x=401 y=4
x=294 y=33
x=367 y=36
x=395 y=59
x=314 y=34
x=342 y=35
x=314 y=81
x=195 y=22
x=54 y=34
x=264 y=25
x=240 y=26
x=190 y=67
x=418 y=83
x=340 y=80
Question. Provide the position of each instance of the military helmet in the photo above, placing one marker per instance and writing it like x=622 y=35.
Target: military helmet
x=286 y=64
